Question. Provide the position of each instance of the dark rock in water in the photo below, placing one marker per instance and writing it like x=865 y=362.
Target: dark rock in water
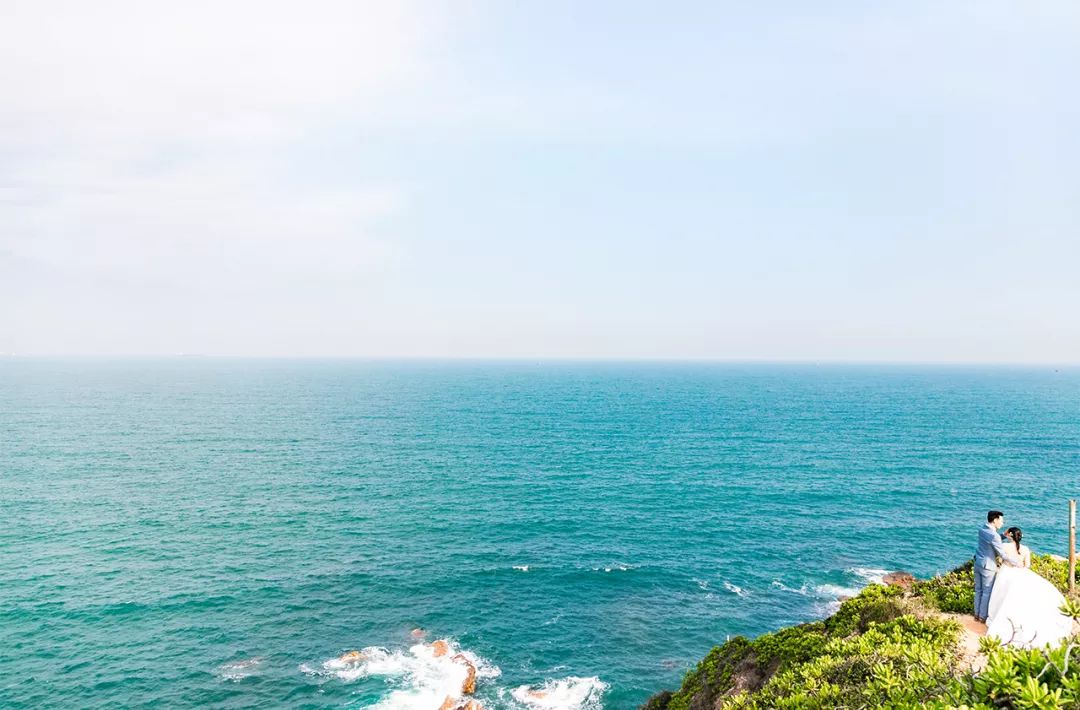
x=658 y=702
x=899 y=579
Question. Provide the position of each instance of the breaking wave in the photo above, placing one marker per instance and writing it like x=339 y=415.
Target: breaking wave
x=736 y=589
x=571 y=693
x=617 y=567
x=870 y=574
x=421 y=680
x=418 y=679
x=828 y=594
x=238 y=670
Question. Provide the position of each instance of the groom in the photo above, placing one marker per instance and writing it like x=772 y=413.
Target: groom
x=986 y=554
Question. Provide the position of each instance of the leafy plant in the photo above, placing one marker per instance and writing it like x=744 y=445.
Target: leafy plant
x=952 y=592
x=887 y=648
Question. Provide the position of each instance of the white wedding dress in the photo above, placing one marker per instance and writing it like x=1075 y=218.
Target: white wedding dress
x=1024 y=609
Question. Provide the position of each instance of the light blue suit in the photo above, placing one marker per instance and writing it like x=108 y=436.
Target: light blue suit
x=989 y=549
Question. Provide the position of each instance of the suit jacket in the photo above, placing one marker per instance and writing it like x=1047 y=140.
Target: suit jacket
x=990 y=548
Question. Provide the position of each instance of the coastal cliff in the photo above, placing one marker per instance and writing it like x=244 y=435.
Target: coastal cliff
x=909 y=644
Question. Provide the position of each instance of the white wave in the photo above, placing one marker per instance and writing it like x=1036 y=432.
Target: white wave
x=835 y=591
x=819 y=591
x=521 y=568
x=870 y=574
x=424 y=680
x=702 y=584
x=238 y=670
x=735 y=589
x=803 y=590
x=571 y=693
x=614 y=568
x=828 y=595
x=830 y=608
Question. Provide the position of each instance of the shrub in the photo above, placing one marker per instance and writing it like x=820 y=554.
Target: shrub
x=876 y=602
x=795 y=644
x=882 y=649
x=1046 y=679
x=952 y=592
x=1057 y=571
x=712 y=677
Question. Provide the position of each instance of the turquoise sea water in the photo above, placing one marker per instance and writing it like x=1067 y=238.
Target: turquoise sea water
x=210 y=533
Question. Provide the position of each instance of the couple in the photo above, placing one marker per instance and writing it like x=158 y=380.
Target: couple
x=1018 y=606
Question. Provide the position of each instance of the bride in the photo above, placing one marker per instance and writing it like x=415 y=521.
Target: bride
x=1024 y=607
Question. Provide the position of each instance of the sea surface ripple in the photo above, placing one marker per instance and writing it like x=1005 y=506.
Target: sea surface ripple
x=215 y=532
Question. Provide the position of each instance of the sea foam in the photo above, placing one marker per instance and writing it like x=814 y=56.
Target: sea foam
x=617 y=567
x=736 y=589
x=870 y=574
x=571 y=693
x=238 y=670
x=422 y=679
x=835 y=591
x=829 y=594
x=803 y=590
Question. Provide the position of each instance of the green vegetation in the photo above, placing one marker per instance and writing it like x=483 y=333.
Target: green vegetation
x=953 y=592
x=886 y=648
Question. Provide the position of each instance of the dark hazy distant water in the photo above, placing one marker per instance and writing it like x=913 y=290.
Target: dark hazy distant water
x=181 y=533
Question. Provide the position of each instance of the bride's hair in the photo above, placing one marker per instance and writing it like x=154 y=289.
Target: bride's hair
x=1017 y=535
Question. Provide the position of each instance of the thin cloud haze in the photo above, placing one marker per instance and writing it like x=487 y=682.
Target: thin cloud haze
x=602 y=180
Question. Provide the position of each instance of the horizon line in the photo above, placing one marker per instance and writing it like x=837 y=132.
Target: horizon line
x=535 y=359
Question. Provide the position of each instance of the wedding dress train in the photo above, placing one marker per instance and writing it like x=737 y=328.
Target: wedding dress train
x=1024 y=610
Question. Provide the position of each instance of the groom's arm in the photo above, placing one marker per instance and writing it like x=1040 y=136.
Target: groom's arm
x=1007 y=556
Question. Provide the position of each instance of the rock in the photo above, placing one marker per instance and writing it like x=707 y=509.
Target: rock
x=659 y=701
x=899 y=579
x=749 y=675
x=843 y=597
x=469 y=686
x=352 y=657
x=440 y=647
x=418 y=633
x=452 y=703
x=744 y=671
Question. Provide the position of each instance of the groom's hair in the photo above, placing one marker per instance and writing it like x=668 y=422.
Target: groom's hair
x=993 y=515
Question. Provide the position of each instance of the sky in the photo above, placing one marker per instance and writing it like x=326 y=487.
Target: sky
x=891 y=181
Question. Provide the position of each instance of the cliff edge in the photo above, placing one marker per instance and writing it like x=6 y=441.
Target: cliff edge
x=903 y=644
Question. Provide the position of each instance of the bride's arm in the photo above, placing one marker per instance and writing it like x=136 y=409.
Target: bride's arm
x=1027 y=557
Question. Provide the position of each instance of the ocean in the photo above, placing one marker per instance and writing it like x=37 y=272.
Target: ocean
x=203 y=532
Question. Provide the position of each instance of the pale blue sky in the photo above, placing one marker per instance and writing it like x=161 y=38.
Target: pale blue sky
x=853 y=181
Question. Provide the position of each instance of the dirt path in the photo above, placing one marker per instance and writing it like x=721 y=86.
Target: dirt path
x=974 y=659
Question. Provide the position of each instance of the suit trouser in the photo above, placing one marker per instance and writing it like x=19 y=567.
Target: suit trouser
x=984 y=584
